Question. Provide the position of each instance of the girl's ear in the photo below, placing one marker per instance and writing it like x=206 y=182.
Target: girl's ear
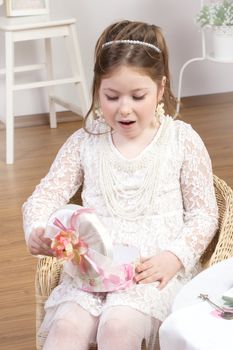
x=161 y=88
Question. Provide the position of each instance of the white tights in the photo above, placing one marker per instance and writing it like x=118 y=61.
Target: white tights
x=118 y=327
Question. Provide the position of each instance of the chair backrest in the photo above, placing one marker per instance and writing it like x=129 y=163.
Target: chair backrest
x=221 y=246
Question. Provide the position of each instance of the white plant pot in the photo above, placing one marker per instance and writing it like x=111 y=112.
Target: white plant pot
x=223 y=43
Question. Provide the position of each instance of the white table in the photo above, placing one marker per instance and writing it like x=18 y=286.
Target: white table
x=192 y=325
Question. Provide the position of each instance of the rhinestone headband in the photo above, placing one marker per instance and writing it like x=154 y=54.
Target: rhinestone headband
x=133 y=42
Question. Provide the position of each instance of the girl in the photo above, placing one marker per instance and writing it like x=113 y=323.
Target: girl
x=149 y=179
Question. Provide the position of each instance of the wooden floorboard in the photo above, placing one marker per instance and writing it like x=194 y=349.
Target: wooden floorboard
x=35 y=148
x=215 y=125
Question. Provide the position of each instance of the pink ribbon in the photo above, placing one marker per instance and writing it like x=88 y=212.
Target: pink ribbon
x=73 y=219
x=82 y=248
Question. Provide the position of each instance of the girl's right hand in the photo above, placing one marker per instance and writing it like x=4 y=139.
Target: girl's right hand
x=38 y=243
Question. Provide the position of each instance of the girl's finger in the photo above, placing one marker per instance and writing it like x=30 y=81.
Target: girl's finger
x=162 y=284
x=47 y=241
x=39 y=244
x=148 y=275
x=37 y=250
x=146 y=265
x=150 y=279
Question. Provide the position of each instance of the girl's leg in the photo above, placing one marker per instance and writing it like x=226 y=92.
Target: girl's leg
x=122 y=327
x=72 y=329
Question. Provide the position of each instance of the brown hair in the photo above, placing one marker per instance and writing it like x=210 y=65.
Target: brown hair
x=155 y=64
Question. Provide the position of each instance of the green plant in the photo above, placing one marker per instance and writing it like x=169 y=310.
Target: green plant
x=216 y=14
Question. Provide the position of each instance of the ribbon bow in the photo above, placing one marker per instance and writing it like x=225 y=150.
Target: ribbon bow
x=68 y=246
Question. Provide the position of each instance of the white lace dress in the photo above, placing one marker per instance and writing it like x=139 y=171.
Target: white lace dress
x=161 y=200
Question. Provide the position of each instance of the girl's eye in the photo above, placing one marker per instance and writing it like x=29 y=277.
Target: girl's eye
x=111 y=98
x=138 y=98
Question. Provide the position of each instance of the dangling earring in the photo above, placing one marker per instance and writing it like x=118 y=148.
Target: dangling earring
x=159 y=112
x=99 y=115
x=99 y=118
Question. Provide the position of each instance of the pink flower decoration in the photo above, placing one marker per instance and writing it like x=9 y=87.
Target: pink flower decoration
x=63 y=244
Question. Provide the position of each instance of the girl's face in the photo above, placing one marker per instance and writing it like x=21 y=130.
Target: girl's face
x=128 y=100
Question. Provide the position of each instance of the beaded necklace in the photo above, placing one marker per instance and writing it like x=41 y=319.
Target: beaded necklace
x=131 y=203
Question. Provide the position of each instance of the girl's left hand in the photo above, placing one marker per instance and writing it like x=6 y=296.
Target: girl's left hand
x=158 y=268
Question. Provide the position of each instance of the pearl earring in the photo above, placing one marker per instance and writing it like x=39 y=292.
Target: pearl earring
x=159 y=112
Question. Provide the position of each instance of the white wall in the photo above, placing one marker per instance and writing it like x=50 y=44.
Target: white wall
x=175 y=17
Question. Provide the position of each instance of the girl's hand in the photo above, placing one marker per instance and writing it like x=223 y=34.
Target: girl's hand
x=158 y=268
x=38 y=243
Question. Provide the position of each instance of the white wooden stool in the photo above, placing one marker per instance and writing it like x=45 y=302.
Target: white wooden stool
x=33 y=28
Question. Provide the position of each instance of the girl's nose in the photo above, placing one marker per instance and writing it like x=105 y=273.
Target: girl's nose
x=125 y=113
x=125 y=109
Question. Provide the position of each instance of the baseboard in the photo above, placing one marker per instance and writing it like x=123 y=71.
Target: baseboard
x=203 y=100
x=42 y=119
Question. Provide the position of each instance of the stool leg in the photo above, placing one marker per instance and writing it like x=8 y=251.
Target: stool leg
x=49 y=68
x=9 y=51
x=78 y=70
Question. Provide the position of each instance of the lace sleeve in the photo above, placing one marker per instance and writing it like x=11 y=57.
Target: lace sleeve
x=199 y=201
x=57 y=187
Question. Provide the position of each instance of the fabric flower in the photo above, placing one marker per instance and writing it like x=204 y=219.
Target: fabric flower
x=63 y=244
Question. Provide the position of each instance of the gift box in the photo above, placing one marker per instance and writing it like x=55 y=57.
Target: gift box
x=81 y=240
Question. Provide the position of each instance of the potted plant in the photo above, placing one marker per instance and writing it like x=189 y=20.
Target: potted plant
x=219 y=17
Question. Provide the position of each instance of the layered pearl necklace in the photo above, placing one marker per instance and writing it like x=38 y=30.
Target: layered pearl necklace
x=132 y=202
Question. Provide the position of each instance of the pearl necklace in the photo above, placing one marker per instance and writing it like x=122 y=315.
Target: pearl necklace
x=135 y=200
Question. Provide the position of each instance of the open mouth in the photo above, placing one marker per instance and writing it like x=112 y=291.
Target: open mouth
x=128 y=122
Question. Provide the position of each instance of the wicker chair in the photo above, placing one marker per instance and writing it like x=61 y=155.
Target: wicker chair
x=220 y=248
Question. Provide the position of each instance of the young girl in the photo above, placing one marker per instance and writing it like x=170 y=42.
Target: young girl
x=149 y=180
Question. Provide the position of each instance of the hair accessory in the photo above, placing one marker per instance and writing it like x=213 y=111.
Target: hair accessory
x=159 y=112
x=133 y=42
